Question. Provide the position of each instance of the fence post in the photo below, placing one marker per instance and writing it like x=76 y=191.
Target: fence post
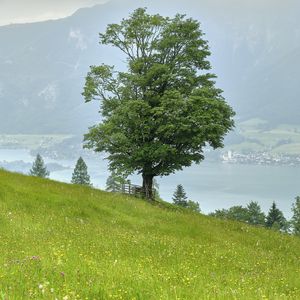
x=131 y=189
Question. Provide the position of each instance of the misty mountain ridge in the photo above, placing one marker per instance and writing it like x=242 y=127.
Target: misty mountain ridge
x=255 y=54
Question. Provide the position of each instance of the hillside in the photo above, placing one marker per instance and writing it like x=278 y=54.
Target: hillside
x=68 y=242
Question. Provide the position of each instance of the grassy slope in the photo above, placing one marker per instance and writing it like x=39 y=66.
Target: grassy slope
x=69 y=242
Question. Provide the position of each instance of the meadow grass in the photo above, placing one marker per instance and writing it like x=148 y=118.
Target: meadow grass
x=61 y=241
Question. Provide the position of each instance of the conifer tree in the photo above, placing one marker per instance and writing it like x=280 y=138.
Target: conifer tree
x=254 y=214
x=38 y=168
x=275 y=218
x=80 y=174
x=295 y=222
x=114 y=182
x=179 y=196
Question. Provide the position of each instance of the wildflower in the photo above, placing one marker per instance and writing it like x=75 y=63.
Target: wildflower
x=35 y=257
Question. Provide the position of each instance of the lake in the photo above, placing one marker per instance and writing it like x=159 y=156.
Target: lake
x=214 y=185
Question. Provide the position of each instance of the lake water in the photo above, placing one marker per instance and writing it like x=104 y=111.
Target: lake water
x=214 y=185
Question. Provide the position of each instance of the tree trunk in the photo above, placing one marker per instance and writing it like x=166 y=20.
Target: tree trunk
x=148 y=186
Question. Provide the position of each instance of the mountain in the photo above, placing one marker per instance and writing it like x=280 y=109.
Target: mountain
x=62 y=241
x=255 y=53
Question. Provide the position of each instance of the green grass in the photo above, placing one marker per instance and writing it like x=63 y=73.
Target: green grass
x=60 y=241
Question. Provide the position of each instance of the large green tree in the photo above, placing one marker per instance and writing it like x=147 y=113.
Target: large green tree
x=160 y=113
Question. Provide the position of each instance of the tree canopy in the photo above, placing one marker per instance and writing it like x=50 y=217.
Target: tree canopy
x=159 y=114
x=251 y=214
x=275 y=219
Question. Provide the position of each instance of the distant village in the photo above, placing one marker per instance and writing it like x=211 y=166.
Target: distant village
x=260 y=158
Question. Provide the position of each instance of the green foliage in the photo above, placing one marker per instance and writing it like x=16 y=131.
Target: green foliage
x=275 y=219
x=114 y=182
x=164 y=109
x=255 y=216
x=179 y=196
x=238 y=213
x=193 y=206
x=251 y=214
x=295 y=222
x=38 y=168
x=72 y=242
x=80 y=174
x=180 y=199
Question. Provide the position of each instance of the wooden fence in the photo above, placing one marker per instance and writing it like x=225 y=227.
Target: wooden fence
x=134 y=190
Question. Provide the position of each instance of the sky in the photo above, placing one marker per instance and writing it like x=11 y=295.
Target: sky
x=27 y=11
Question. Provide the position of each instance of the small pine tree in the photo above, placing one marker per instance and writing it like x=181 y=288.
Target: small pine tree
x=80 y=174
x=295 y=222
x=38 y=168
x=254 y=214
x=275 y=219
x=179 y=196
x=114 y=182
